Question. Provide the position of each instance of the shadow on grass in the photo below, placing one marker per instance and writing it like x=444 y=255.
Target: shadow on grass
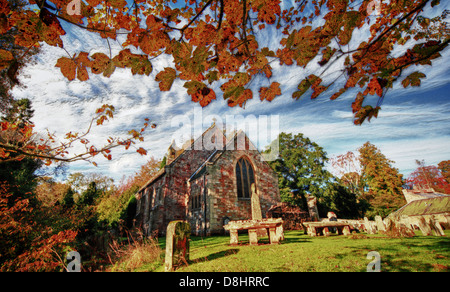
x=215 y=256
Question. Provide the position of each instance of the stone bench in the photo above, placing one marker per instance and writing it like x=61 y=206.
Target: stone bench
x=273 y=226
x=316 y=228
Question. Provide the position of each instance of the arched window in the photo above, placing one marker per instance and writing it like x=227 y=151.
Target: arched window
x=244 y=178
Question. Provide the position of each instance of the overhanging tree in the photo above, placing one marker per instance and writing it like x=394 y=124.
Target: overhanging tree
x=216 y=46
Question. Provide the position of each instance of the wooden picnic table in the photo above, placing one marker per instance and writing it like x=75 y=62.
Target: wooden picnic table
x=317 y=228
x=273 y=226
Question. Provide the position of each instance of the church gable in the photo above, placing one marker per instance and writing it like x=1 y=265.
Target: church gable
x=200 y=184
x=229 y=181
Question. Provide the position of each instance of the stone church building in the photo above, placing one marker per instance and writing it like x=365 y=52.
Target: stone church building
x=207 y=182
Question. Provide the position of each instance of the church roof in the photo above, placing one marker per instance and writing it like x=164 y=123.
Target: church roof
x=431 y=206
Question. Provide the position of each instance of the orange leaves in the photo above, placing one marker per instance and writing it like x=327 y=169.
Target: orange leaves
x=339 y=93
x=101 y=63
x=234 y=90
x=374 y=87
x=202 y=35
x=150 y=41
x=166 y=78
x=213 y=41
x=204 y=96
x=103 y=113
x=357 y=104
x=36 y=27
x=302 y=45
x=240 y=97
x=71 y=67
x=142 y=151
x=267 y=10
x=313 y=82
x=5 y=58
x=139 y=64
x=200 y=93
x=4 y=22
x=269 y=93
x=413 y=79
x=68 y=67
x=361 y=113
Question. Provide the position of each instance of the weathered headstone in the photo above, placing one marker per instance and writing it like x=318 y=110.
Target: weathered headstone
x=368 y=226
x=256 y=213
x=256 y=205
x=346 y=231
x=380 y=224
x=436 y=227
x=177 y=244
x=312 y=208
x=423 y=226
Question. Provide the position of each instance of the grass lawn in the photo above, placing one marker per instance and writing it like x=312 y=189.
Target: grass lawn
x=301 y=253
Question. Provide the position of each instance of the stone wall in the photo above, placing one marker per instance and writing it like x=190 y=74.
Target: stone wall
x=166 y=198
x=222 y=200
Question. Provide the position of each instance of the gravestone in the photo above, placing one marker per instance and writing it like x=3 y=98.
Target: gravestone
x=436 y=227
x=256 y=205
x=424 y=227
x=312 y=208
x=369 y=227
x=380 y=224
x=256 y=215
x=177 y=244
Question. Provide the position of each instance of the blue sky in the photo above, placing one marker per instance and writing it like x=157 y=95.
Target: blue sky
x=414 y=123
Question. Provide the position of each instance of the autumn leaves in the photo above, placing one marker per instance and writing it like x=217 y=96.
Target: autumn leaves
x=216 y=44
x=100 y=63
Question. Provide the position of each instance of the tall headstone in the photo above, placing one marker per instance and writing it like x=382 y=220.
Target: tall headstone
x=312 y=208
x=256 y=205
x=256 y=215
x=177 y=244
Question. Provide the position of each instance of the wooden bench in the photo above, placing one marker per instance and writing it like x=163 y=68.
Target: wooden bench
x=317 y=228
x=274 y=228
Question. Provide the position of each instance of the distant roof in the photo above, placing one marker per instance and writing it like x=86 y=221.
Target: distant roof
x=420 y=194
x=431 y=206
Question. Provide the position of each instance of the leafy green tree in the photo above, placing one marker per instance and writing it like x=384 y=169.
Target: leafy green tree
x=301 y=169
x=344 y=203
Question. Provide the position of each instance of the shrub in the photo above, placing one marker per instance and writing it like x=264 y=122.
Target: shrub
x=137 y=254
